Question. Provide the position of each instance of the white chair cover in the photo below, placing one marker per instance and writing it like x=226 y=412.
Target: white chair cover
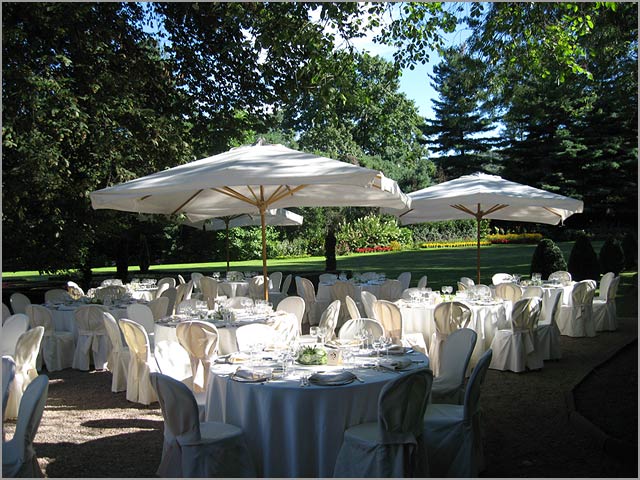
x=18 y=454
x=113 y=292
x=352 y=307
x=448 y=317
x=390 y=317
x=19 y=302
x=532 y=291
x=196 y=277
x=514 y=348
x=143 y=315
x=422 y=283
x=405 y=279
x=209 y=289
x=200 y=340
x=295 y=306
x=6 y=313
x=180 y=280
x=499 y=278
x=576 y=319
x=118 y=362
x=327 y=277
x=286 y=284
x=256 y=333
x=547 y=333
x=481 y=289
x=169 y=281
x=93 y=341
x=141 y=363
x=467 y=281
x=171 y=293
x=184 y=291
x=452 y=432
x=275 y=281
x=256 y=287
x=606 y=279
x=27 y=350
x=340 y=291
x=111 y=281
x=329 y=319
x=286 y=325
x=56 y=295
x=462 y=287
x=604 y=308
x=73 y=286
x=394 y=445
x=8 y=373
x=305 y=289
x=390 y=290
x=197 y=449
x=159 y=307
x=57 y=347
x=368 y=300
x=407 y=293
x=191 y=303
x=352 y=328
x=561 y=276
x=15 y=326
x=508 y=291
x=448 y=386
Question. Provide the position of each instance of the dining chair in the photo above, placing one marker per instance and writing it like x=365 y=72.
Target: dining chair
x=184 y=291
x=27 y=350
x=141 y=363
x=18 y=454
x=467 y=281
x=169 y=281
x=193 y=448
x=352 y=307
x=306 y=290
x=286 y=326
x=547 y=333
x=275 y=281
x=368 y=300
x=422 y=283
x=159 y=307
x=327 y=277
x=452 y=432
x=532 y=291
x=15 y=326
x=405 y=279
x=237 y=302
x=448 y=386
x=171 y=294
x=462 y=286
x=604 y=308
x=118 y=361
x=499 y=278
x=390 y=317
x=209 y=288
x=390 y=290
x=393 y=445
x=143 y=315
x=329 y=319
x=200 y=340
x=286 y=284
x=561 y=276
x=73 y=286
x=8 y=374
x=55 y=295
x=247 y=336
x=514 y=348
x=256 y=287
x=508 y=291
x=196 y=277
x=340 y=291
x=353 y=327
x=19 y=302
x=57 y=347
x=576 y=318
x=294 y=305
x=180 y=281
x=93 y=344
x=448 y=317
x=6 y=313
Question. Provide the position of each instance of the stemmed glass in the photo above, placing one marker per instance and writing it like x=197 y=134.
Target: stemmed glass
x=377 y=345
x=385 y=342
x=313 y=331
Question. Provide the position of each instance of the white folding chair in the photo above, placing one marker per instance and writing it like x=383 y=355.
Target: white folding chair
x=193 y=448
x=118 y=362
x=141 y=363
x=15 y=326
x=294 y=305
x=27 y=350
x=18 y=454
x=452 y=433
x=393 y=446
x=93 y=342
x=57 y=347
x=448 y=386
x=19 y=302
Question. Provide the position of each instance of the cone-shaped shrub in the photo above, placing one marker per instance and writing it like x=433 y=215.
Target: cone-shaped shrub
x=611 y=256
x=547 y=258
x=583 y=260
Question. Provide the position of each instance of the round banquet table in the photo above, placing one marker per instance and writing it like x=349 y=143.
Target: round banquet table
x=324 y=290
x=64 y=315
x=295 y=431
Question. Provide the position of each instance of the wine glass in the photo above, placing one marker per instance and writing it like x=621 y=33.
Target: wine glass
x=313 y=331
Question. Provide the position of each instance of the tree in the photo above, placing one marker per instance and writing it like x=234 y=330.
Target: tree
x=547 y=258
x=611 y=256
x=87 y=102
x=583 y=260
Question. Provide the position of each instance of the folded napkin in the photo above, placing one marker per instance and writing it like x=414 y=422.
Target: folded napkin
x=397 y=350
x=239 y=357
x=332 y=379
x=396 y=364
x=250 y=376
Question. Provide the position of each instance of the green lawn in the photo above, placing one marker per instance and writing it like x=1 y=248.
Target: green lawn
x=442 y=266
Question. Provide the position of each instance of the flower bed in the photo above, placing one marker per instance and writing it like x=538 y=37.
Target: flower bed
x=377 y=248
x=531 y=238
x=465 y=243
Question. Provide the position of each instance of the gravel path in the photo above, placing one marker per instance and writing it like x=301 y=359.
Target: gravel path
x=87 y=431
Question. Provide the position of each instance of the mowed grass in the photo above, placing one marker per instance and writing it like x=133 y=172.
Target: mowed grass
x=442 y=267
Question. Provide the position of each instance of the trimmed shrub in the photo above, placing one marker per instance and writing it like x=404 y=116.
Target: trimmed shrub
x=583 y=260
x=630 y=249
x=547 y=258
x=611 y=256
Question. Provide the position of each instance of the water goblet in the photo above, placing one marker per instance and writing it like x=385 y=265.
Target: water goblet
x=377 y=346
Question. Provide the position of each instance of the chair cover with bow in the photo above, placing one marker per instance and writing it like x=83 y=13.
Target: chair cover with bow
x=200 y=340
x=340 y=291
x=141 y=363
x=27 y=350
x=405 y=279
x=604 y=308
x=8 y=373
x=57 y=347
x=158 y=307
x=514 y=348
x=393 y=446
x=118 y=361
x=508 y=291
x=19 y=302
x=295 y=306
x=368 y=300
x=448 y=317
x=171 y=293
x=452 y=433
x=352 y=307
x=329 y=319
x=448 y=386
x=547 y=333
x=15 y=326
x=18 y=454
x=193 y=448
x=93 y=341
x=576 y=319
x=352 y=328
x=390 y=290
x=143 y=315
x=306 y=290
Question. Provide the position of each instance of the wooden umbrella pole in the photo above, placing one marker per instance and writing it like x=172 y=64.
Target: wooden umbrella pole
x=226 y=223
x=478 y=250
x=264 y=250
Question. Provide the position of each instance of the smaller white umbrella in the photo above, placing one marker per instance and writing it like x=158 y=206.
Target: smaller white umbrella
x=274 y=216
x=480 y=195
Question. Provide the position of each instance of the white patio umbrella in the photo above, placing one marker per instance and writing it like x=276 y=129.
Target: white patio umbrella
x=480 y=195
x=275 y=216
x=253 y=179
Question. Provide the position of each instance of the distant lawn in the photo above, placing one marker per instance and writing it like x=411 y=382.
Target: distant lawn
x=442 y=267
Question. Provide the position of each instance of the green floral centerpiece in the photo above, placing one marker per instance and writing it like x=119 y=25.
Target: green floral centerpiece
x=312 y=356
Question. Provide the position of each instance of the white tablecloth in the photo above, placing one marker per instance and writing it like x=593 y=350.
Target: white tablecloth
x=64 y=316
x=233 y=289
x=295 y=431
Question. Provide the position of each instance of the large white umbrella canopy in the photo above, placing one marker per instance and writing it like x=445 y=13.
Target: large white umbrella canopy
x=484 y=196
x=274 y=216
x=253 y=179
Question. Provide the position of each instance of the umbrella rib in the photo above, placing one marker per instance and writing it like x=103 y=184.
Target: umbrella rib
x=234 y=194
x=552 y=211
x=187 y=201
x=290 y=191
